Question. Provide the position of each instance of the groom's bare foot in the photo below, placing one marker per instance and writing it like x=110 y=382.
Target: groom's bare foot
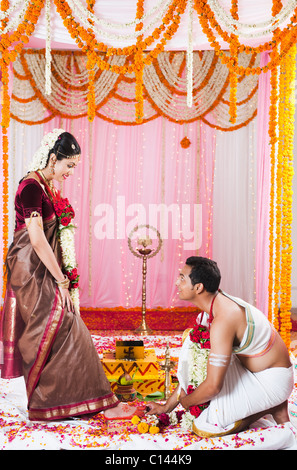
x=121 y=411
x=280 y=413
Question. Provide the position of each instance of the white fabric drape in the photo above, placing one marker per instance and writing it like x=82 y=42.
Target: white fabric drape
x=235 y=199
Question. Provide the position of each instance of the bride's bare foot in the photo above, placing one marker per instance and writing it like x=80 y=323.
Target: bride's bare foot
x=121 y=411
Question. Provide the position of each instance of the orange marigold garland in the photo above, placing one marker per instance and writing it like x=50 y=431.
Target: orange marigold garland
x=233 y=75
x=274 y=218
x=90 y=67
x=185 y=142
x=4 y=64
x=87 y=43
x=14 y=42
x=139 y=66
x=287 y=111
x=5 y=123
x=10 y=46
x=281 y=119
x=209 y=25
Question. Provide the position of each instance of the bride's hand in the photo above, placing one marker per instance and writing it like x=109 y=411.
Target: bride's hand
x=66 y=299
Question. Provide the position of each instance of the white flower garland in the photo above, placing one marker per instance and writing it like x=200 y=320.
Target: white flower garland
x=190 y=57
x=69 y=258
x=85 y=15
x=13 y=23
x=225 y=19
x=48 y=56
x=197 y=364
x=41 y=155
x=172 y=104
x=14 y=6
x=197 y=374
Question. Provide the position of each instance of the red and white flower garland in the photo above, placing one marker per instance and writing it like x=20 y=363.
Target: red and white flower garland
x=65 y=214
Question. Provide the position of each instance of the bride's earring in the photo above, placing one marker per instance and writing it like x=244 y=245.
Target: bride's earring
x=52 y=168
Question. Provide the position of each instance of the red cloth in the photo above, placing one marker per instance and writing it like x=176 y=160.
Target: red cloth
x=129 y=319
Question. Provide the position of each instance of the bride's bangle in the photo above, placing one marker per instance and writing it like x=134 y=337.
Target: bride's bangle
x=64 y=284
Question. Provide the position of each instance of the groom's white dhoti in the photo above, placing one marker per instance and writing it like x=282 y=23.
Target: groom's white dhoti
x=244 y=393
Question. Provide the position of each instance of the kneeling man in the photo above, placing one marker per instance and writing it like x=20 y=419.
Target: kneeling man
x=249 y=372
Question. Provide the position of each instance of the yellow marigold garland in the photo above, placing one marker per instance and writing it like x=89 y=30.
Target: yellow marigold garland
x=10 y=46
x=87 y=43
x=90 y=67
x=233 y=75
x=209 y=25
x=287 y=111
x=282 y=109
x=139 y=66
x=5 y=123
x=281 y=119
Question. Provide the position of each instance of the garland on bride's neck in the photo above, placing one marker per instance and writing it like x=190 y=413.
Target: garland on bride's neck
x=65 y=214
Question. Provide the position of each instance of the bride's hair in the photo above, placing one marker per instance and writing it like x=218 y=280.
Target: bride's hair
x=66 y=146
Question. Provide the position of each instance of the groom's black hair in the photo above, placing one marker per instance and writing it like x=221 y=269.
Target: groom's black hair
x=206 y=271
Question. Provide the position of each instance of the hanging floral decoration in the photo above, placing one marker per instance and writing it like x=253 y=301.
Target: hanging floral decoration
x=139 y=65
x=233 y=75
x=288 y=93
x=84 y=27
x=281 y=133
x=209 y=18
x=164 y=89
x=13 y=38
x=282 y=118
x=86 y=41
x=275 y=207
x=5 y=124
x=91 y=71
x=137 y=59
x=185 y=143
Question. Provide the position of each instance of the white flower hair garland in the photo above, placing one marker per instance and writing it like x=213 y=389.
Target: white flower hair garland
x=41 y=155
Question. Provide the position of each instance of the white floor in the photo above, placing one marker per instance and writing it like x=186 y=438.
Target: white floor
x=18 y=433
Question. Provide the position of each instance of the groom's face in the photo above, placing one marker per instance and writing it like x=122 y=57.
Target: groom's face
x=184 y=284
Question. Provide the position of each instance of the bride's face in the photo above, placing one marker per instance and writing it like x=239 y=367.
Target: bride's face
x=65 y=168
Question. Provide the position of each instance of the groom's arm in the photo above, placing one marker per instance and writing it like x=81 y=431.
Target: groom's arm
x=221 y=340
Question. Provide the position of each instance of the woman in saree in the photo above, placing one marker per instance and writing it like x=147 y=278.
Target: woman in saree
x=44 y=338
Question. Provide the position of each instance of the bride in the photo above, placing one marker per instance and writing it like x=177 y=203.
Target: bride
x=44 y=338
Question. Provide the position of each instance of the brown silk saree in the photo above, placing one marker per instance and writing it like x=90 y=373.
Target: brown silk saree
x=46 y=343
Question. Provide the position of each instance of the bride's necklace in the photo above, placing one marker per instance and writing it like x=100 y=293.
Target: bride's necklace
x=47 y=182
x=49 y=186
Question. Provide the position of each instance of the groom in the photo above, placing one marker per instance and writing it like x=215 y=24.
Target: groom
x=249 y=373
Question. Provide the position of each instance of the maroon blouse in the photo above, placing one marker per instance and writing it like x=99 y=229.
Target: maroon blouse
x=31 y=197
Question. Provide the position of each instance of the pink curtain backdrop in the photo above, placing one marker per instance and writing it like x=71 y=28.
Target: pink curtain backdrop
x=126 y=172
x=263 y=189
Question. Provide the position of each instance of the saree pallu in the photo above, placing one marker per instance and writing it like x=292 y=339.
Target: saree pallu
x=47 y=344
